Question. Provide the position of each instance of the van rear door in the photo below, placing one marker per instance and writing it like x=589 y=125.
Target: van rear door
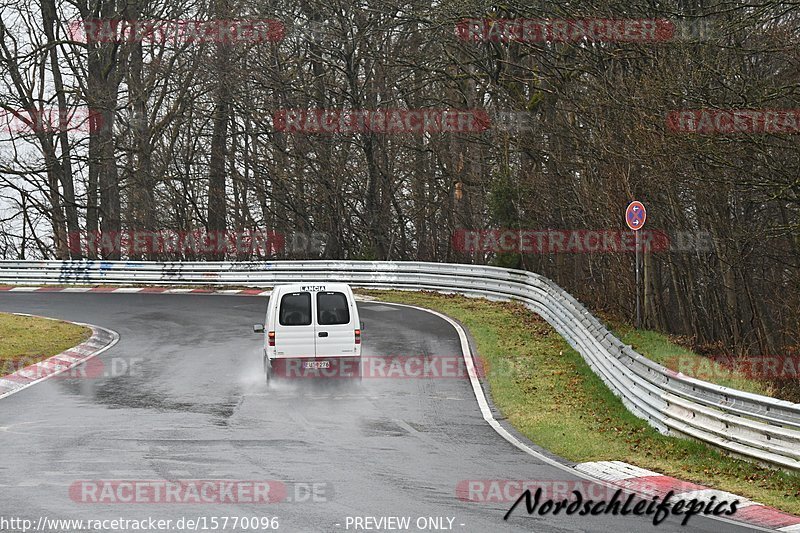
x=335 y=324
x=294 y=335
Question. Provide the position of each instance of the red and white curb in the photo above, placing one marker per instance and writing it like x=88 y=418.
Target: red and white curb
x=650 y=484
x=101 y=340
x=134 y=290
x=152 y=290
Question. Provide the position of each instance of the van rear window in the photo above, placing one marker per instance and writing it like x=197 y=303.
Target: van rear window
x=332 y=309
x=295 y=309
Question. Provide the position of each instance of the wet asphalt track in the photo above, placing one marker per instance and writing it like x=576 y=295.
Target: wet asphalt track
x=195 y=407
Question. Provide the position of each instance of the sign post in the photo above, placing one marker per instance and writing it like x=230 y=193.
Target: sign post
x=635 y=217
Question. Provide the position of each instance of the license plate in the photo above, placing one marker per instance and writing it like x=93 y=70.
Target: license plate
x=317 y=364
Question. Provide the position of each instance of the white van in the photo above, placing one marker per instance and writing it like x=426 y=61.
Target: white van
x=311 y=328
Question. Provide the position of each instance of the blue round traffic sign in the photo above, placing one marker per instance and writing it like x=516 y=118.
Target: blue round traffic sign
x=635 y=215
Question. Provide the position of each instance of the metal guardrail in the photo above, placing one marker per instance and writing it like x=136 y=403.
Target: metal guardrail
x=756 y=427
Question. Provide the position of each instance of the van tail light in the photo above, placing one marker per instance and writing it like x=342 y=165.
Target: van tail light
x=358 y=336
x=271 y=338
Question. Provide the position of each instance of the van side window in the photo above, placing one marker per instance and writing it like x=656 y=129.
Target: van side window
x=295 y=309
x=332 y=309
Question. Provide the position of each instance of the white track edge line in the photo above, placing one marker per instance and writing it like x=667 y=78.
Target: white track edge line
x=503 y=432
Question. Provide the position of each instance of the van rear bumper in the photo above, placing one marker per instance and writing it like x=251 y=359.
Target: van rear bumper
x=322 y=367
x=312 y=357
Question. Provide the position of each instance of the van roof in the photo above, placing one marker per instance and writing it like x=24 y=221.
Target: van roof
x=313 y=286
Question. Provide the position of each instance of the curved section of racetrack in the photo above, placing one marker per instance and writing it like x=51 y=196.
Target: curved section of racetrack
x=181 y=397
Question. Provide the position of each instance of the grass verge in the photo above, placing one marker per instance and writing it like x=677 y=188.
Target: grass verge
x=26 y=340
x=549 y=393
